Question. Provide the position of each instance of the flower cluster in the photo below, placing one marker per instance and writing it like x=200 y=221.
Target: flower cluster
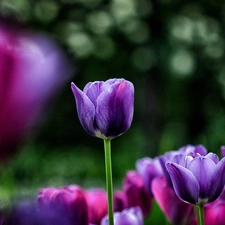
x=70 y=205
x=73 y=205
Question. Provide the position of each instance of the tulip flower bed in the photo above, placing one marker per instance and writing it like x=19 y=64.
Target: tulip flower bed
x=187 y=184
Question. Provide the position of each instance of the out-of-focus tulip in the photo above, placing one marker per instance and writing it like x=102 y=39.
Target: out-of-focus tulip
x=32 y=69
x=214 y=212
x=198 y=180
x=131 y=216
x=30 y=213
x=176 y=211
x=222 y=151
x=105 y=109
x=149 y=169
x=120 y=201
x=68 y=201
x=97 y=205
x=136 y=192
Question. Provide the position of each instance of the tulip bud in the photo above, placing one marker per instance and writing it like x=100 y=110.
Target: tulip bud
x=68 y=201
x=136 y=192
x=97 y=205
x=105 y=109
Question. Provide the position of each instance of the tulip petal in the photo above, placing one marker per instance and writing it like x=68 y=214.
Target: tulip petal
x=85 y=110
x=177 y=211
x=93 y=90
x=213 y=157
x=179 y=176
x=214 y=214
x=114 y=112
x=201 y=166
x=217 y=181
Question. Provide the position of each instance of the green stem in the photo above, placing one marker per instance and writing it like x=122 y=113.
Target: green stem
x=196 y=211
x=201 y=215
x=109 y=185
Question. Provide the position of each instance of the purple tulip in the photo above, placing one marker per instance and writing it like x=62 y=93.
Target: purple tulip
x=136 y=193
x=105 y=109
x=70 y=202
x=131 y=216
x=149 y=169
x=32 y=69
x=176 y=156
x=199 y=179
x=176 y=211
x=96 y=211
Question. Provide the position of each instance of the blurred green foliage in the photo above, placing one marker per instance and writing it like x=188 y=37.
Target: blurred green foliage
x=174 y=53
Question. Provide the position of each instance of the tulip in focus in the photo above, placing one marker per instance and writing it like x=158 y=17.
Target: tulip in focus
x=199 y=179
x=32 y=69
x=105 y=109
x=131 y=216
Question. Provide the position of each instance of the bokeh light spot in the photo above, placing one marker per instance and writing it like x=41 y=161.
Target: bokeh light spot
x=182 y=63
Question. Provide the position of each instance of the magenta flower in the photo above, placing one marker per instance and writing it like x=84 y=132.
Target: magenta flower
x=105 y=109
x=97 y=205
x=176 y=211
x=214 y=212
x=70 y=202
x=32 y=68
x=199 y=179
x=222 y=149
x=136 y=193
x=131 y=216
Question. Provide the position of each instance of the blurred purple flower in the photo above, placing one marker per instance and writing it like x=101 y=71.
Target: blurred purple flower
x=70 y=202
x=30 y=213
x=199 y=179
x=97 y=205
x=105 y=109
x=131 y=216
x=136 y=193
x=32 y=69
x=149 y=169
x=176 y=211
